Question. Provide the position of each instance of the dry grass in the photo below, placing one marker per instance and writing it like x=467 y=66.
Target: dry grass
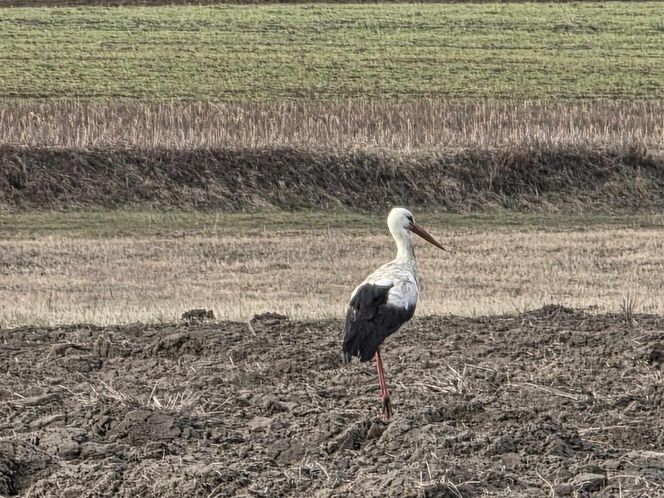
x=568 y=180
x=57 y=279
x=385 y=124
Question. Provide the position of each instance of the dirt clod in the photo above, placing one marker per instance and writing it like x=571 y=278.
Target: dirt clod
x=588 y=482
x=656 y=355
x=197 y=315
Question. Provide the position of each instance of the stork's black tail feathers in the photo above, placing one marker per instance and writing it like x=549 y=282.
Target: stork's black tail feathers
x=370 y=320
x=347 y=357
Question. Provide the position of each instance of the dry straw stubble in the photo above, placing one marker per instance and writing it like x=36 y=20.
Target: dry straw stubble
x=58 y=279
x=422 y=123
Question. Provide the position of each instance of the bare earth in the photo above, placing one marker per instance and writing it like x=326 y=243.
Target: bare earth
x=501 y=406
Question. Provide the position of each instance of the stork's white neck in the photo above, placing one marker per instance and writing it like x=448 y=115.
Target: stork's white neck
x=405 y=251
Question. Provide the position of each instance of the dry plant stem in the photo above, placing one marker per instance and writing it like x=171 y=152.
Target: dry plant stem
x=552 y=491
x=386 y=124
x=54 y=279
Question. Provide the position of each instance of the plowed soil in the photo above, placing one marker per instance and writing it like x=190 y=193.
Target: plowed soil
x=552 y=401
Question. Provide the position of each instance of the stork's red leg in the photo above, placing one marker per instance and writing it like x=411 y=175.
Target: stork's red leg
x=384 y=394
x=381 y=376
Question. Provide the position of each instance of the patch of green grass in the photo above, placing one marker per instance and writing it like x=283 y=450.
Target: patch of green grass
x=136 y=223
x=130 y=223
x=324 y=52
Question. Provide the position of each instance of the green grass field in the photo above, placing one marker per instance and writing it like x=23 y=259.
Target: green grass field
x=99 y=224
x=319 y=52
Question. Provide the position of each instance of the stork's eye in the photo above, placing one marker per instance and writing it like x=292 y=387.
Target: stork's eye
x=410 y=218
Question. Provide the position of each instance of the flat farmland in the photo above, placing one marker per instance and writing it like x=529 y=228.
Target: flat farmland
x=550 y=402
x=156 y=159
x=322 y=52
x=109 y=268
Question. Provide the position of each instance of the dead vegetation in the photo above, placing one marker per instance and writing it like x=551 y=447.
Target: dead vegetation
x=421 y=123
x=559 y=179
x=453 y=155
x=236 y=273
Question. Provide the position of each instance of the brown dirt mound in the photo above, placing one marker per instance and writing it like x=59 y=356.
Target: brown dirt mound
x=566 y=179
x=493 y=406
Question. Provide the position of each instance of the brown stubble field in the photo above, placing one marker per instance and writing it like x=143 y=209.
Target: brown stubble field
x=391 y=124
x=56 y=278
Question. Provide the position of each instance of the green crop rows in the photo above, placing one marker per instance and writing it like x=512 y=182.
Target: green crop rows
x=319 y=52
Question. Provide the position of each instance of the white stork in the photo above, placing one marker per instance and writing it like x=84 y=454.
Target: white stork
x=385 y=300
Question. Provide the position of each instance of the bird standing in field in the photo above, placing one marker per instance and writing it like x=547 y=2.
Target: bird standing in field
x=385 y=300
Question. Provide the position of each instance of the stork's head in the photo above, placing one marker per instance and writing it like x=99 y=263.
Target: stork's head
x=401 y=220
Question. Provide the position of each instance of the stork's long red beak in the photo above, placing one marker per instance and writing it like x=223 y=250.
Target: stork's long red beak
x=419 y=230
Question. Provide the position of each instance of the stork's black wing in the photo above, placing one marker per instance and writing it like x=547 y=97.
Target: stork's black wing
x=370 y=320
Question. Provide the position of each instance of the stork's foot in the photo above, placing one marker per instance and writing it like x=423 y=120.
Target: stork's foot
x=387 y=408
